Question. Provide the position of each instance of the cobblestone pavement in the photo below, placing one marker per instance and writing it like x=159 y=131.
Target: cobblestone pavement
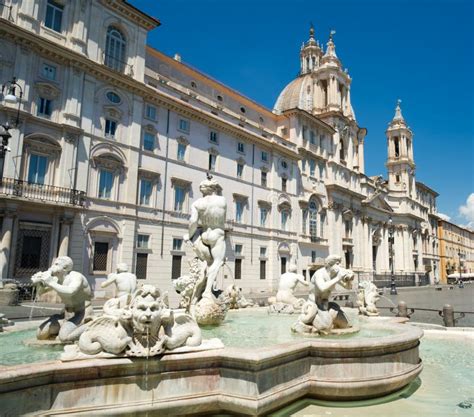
x=462 y=299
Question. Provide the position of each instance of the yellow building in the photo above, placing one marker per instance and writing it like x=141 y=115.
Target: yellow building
x=456 y=250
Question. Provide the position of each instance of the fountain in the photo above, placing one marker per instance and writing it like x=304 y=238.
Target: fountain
x=141 y=356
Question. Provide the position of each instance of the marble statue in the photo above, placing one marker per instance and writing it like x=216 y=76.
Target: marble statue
x=366 y=298
x=184 y=285
x=146 y=326
x=207 y=236
x=319 y=316
x=235 y=299
x=125 y=282
x=285 y=300
x=75 y=292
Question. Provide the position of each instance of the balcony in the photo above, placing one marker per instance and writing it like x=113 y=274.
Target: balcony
x=41 y=193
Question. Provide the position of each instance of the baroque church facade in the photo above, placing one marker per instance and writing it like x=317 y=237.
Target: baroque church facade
x=114 y=138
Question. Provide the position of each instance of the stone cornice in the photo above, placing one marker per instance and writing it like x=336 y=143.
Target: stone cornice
x=66 y=56
x=125 y=9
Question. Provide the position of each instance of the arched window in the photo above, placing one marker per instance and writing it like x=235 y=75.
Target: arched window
x=313 y=221
x=342 y=156
x=115 y=49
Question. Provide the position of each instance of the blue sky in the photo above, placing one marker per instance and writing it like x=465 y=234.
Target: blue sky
x=420 y=51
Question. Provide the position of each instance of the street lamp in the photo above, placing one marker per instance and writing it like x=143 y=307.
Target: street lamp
x=11 y=97
x=393 y=288
x=10 y=87
x=461 y=285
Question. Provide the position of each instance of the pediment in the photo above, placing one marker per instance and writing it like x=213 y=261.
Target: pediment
x=378 y=201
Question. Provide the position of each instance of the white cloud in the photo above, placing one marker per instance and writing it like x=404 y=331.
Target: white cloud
x=444 y=217
x=467 y=210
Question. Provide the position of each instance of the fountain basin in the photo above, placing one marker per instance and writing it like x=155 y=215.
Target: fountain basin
x=245 y=381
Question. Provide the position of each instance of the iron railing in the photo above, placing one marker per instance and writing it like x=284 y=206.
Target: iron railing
x=41 y=192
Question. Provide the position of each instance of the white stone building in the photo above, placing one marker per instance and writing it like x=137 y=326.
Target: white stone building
x=115 y=137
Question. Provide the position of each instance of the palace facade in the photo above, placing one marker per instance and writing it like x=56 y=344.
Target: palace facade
x=114 y=138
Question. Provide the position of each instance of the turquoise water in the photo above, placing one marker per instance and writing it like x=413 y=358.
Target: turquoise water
x=13 y=351
x=257 y=328
x=447 y=379
x=243 y=329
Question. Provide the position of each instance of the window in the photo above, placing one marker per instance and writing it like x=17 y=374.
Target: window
x=238 y=249
x=54 y=15
x=312 y=167
x=142 y=264
x=106 y=181
x=193 y=84
x=101 y=251
x=284 y=164
x=49 y=72
x=284 y=219
x=146 y=188
x=303 y=165
x=321 y=171
x=143 y=241
x=322 y=221
x=181 y=151
x=342 y=153
x=283 y=265
x=213 y=137
x=183 y=125
x=283 y=184
x=312 y=138
x=113 y=97
x=150 y=112
x=31 y=252
x=313 y=221
x=264 y=156
x=263 y=251
x=179 y=196
x=397 y=178
x=149 y=141
x=177 y=244
x=176 y=267
x=37 y=169
x=44 y=107
x=263 y=216
x=239 y=210
x=242 y=109
x=110 y=128
x=263 y=269
x=305 y=132
x=220 y=98
x=264 y=179
x=238 y=269
x=240 y=170
x=313 y=256
x=212 y=162
x=240 y=147
x=115 y=49
x=396 y=143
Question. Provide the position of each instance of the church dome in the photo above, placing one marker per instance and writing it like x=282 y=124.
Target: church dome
x=297 y=94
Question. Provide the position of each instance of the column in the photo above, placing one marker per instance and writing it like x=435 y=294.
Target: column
x=5 y=244
x=361 y=161
x=64 y=236
x=331 y=230
x=407 y=252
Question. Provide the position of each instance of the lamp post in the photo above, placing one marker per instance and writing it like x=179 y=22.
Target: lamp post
x=461 y=284
x=393 y=288
x=10 y=87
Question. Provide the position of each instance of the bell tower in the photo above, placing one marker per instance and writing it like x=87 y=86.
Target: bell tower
x=310 y=54
x=400 y=162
